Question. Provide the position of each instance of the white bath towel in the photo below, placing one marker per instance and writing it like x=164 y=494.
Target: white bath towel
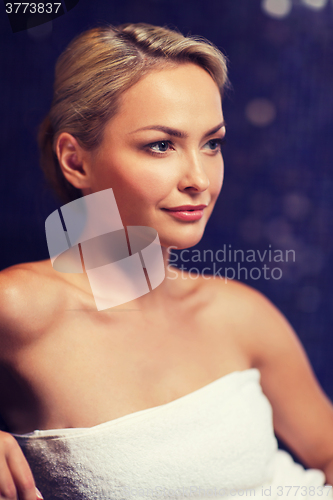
x=216 y=442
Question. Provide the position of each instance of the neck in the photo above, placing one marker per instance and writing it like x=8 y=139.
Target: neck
x=125 y=281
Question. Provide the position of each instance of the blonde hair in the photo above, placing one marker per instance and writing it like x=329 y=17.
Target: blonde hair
x=94 y=71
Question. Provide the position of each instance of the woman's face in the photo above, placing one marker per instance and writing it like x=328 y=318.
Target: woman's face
x=162 y=151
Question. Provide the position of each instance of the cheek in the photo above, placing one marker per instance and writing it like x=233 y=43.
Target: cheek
x=216 y=180
x=147 y=185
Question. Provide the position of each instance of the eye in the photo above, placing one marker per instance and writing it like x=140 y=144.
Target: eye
x=159 y=147
x=216 y=144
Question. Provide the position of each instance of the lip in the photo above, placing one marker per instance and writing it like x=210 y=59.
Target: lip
x=187 y=213
x=186 y=207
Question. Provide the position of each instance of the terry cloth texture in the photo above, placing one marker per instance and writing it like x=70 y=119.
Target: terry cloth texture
x=216 y=442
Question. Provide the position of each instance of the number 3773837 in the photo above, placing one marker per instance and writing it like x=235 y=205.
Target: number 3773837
x=32 y=8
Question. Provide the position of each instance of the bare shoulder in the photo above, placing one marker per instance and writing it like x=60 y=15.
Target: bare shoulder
x=230 y=305
x=238 y=302
x=271 y=334
x=263 y=328
x=29 y=298
x=225 y=297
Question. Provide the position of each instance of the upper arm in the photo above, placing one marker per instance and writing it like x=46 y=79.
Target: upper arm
x=13 y=304
x=302 y=413
x=25 y=307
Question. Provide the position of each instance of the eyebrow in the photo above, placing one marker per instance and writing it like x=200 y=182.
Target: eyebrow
x=178 y=133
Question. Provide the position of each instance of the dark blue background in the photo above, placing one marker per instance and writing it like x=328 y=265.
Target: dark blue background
x=278 y=177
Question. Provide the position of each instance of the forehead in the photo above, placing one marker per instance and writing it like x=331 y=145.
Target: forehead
x=175 y=96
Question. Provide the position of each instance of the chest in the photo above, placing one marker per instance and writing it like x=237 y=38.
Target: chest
x=220 y=436
x=88 y=370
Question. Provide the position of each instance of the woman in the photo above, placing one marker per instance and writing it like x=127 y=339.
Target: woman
x=159 y=396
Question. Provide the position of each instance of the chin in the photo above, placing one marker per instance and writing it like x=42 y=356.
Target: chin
x=182 y=240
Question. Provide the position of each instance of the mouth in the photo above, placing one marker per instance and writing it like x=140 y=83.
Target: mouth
x=187 y=213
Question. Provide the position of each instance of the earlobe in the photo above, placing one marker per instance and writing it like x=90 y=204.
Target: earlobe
x=72 y=160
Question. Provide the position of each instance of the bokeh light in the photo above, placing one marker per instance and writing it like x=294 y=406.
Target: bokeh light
x=260 y=112
x=315 y=4
x=296 y=205
x=277 y=8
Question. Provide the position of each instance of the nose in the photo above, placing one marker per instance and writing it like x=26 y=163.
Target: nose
x=194 y=177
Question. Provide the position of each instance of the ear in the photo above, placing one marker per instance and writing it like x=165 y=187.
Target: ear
x=73 y=161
